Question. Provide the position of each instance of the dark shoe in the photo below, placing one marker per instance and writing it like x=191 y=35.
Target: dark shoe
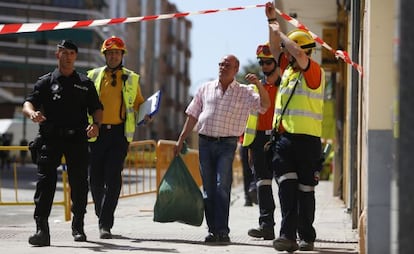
x=41 y=238
x=211 y=238
x=253 y=195
x=248 y=203
x=77 y=229
x=306 y=246
x=42 y=235
x=284 y=244
x=223 y=238
x=265 y=233
x=78 y=235
x=105 y=233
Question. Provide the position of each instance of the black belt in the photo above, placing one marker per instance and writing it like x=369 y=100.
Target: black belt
x=111 y=126
x=59 y=132
x=216 y=139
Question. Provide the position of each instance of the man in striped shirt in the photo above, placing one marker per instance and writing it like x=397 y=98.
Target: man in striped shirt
x=220 y=109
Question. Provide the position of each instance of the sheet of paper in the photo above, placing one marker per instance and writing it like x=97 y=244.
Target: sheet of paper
x=149 y=107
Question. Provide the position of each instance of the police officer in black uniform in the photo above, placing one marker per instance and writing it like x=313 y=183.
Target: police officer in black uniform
x=60 y=103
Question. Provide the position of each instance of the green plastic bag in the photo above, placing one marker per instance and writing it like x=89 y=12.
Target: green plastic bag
x=179 y=199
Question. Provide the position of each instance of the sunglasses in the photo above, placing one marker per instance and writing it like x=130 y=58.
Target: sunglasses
x=263 y=49
x=113 y=76
x=225 y=65
x=265 y=62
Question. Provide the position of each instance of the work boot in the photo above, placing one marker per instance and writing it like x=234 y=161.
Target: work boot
x=306 y=246
x=248 y=202
x=78 y=235
x=284 y=244
x=267 y=233
x=253 y=195
x=105 y=233
x=211 y=238
x=42 y=235
x=223 y=239
x=77 y=230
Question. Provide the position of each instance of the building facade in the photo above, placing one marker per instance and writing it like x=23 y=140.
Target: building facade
x=373 y=145
x=158 y=50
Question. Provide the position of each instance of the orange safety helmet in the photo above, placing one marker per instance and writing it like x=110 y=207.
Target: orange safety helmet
x=113 y=43
x=263 y=51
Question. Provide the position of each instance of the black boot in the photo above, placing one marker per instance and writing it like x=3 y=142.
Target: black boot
x=42 y=235
x=261 y=232
x=77 y=229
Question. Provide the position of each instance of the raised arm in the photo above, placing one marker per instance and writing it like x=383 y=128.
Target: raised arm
x=278 y=40
x=264 y=95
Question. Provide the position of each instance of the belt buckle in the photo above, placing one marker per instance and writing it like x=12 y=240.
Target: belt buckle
x=268 y=132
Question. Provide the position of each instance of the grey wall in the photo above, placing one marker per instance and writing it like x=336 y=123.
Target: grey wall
x=380 y=164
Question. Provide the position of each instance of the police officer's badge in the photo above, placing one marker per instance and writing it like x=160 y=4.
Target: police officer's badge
x=56 y=88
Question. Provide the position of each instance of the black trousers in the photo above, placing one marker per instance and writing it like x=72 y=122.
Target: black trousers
x=248 y=178
x=297 y=158
x=108 y=153
x=264 y=177
x=76 y=154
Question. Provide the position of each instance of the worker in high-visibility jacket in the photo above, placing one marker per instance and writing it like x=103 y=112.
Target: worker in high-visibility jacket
x=257 y=133
x=120 y=93
x=298 y=120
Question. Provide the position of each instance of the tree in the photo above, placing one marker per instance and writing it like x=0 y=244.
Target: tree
x=251 y=67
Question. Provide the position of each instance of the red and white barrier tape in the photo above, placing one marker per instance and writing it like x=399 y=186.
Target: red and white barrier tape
x=46 y=26
x=338 y=53
x=37 y=27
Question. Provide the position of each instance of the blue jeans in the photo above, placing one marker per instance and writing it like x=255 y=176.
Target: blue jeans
x=216 y=164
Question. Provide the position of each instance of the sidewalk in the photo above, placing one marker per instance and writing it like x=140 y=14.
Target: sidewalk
x=135 y=231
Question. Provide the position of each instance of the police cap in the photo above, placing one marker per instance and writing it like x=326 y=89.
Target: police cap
x=68 y=44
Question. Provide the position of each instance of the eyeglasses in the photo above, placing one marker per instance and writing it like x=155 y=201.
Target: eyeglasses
x=225 y=65
x=265 y=62
x=263 y=49
x=113 y=76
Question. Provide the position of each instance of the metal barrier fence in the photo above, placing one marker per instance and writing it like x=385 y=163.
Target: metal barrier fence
x=139 y=172
x=165 y=156
x=17 y=180
x=145 y=166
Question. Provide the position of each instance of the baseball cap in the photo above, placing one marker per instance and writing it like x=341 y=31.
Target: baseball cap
x=68 y=44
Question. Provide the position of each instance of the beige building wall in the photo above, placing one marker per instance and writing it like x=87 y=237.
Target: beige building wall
x=380 y=74
x=159 y=50
x=379 y=82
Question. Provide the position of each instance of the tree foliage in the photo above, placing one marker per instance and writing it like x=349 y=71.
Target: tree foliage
x=251 y=67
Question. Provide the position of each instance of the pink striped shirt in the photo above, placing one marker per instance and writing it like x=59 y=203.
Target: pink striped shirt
x=223 y=114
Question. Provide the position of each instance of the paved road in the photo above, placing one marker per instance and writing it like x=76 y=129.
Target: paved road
x=135 y=231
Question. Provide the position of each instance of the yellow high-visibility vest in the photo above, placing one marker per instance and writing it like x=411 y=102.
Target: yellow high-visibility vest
x=129 y=93
x=304 y=112
x=251 y=125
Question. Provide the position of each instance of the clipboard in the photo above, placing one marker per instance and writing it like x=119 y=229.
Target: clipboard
x=149 y=107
